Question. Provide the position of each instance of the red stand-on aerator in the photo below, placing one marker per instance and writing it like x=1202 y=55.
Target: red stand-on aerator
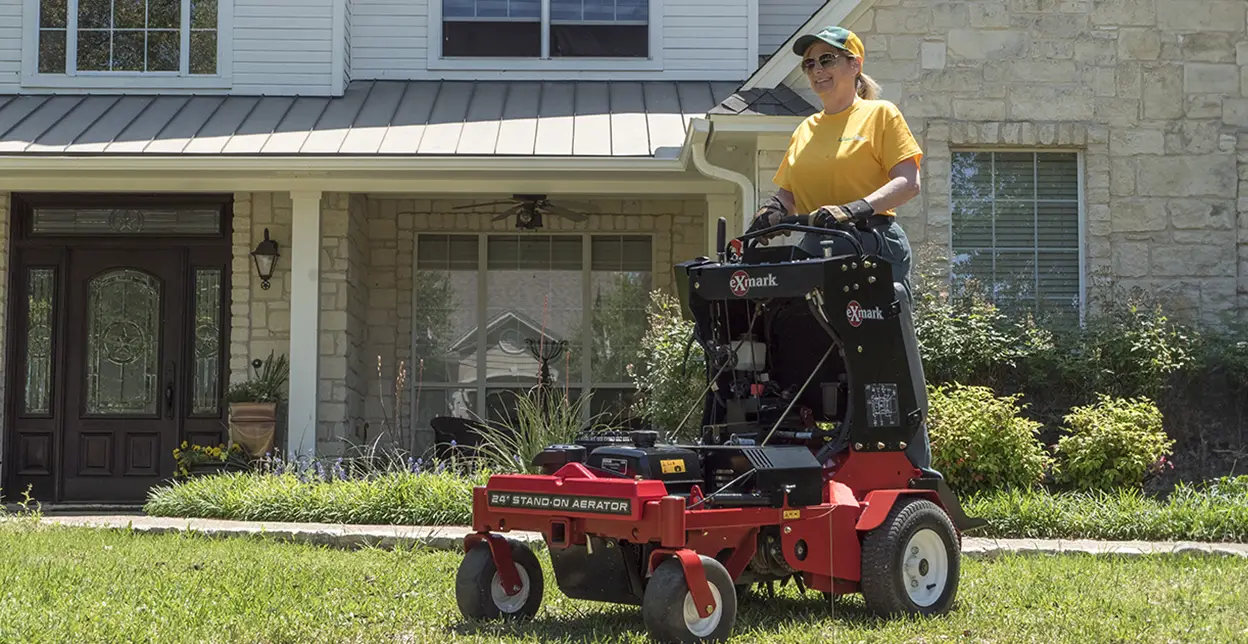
x=811 y=465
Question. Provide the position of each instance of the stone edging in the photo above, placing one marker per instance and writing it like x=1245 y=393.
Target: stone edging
x=451 y=537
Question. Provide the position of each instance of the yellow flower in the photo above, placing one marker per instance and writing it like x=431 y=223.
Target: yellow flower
x=184 y=444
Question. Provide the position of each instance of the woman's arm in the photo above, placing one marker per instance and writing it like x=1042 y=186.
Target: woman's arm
x=903 y=186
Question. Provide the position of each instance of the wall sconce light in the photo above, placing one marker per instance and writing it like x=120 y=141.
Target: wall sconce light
x=266 y=256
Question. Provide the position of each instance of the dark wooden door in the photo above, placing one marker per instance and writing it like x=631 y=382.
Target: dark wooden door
x=125 y=329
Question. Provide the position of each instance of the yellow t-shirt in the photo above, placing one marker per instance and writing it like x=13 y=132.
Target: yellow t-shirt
x=834 y=159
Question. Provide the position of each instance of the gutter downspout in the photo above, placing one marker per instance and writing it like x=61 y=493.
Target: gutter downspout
x=701 y=130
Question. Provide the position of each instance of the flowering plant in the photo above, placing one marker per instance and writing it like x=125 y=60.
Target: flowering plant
x=188 y=456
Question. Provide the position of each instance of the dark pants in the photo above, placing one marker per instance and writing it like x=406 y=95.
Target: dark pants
x=897 y=252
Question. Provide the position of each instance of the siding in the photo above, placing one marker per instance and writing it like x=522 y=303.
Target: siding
x=388 y=38
x=283 y=46
x=346 y=45
x=702 y=40
x=778 y=19
x=10 y=45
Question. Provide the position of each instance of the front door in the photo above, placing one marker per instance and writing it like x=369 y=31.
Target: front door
x=116 y=343
x=125 y=338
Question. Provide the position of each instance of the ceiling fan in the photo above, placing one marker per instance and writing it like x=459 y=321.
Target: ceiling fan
x=528 y=210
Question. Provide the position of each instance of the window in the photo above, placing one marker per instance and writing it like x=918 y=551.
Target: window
x=150 y=37
x=485 y=307
x=546 y=29
x=1016 y=225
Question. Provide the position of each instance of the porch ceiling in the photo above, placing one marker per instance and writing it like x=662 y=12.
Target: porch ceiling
x=387 y=118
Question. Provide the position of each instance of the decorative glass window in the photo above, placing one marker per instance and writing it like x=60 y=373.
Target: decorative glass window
x=41 y=293
x=126 y=221
x=160 y=37
x=488 y=309
x=206 y=385
x=545 y=28
x=1016 y=225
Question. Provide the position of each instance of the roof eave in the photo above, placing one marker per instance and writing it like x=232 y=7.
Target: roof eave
x=335 y=163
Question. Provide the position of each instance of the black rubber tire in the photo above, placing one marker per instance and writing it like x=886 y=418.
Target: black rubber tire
x=662 y=606
x=475 y=577
x=883 y=556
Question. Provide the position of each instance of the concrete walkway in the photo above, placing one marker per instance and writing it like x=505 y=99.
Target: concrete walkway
x=451 y=537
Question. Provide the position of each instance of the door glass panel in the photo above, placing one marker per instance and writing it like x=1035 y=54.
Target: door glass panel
x=123 y=342
x=40 y=284
x=207 y=378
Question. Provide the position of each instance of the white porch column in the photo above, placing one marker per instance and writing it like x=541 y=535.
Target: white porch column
x=305 y=318
x=720 y=205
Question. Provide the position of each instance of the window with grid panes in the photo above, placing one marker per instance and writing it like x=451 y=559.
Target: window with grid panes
x=483 y=303
x=154 y=37
x=1016 y=225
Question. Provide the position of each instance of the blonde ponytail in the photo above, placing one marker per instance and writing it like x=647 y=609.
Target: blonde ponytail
x=868 y=89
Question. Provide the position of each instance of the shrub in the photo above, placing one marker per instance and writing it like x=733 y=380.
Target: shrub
x=980 y=441
x=543 y=417
x=1112 y=443
x=671 y=373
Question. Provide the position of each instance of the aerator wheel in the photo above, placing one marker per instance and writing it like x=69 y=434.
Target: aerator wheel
x=911 y=562
x=668 y=610
x=479 y=587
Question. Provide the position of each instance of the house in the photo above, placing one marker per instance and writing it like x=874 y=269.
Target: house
x=144 y=155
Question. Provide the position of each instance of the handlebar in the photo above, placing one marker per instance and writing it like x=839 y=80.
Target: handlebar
x=801 y=223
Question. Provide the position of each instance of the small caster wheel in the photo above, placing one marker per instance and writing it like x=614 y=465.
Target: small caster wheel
x=668 y=610
x=479 y=587
x=911 y=563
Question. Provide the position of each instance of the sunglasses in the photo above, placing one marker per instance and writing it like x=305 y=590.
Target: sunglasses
x=826 y=61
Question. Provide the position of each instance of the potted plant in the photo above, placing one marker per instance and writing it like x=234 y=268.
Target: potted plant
x=253 y=405
x=199 y=460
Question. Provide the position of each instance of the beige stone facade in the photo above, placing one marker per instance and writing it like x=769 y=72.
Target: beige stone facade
x=366 y=267
x=1152 y=93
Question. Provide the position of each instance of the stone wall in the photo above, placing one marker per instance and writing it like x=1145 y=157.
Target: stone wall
x=259 y=318
x=359 y=366
x=679 y=233
x=1153 y=92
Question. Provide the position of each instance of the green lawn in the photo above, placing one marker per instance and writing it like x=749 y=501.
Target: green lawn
x=66 y=584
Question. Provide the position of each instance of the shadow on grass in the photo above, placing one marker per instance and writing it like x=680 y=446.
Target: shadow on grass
x=757 y=615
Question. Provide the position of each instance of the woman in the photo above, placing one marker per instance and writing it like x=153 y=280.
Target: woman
x=854 y=161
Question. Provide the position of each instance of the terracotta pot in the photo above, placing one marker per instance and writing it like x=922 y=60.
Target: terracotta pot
x=253 y=426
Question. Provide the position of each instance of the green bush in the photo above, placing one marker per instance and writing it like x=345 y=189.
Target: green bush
x=671 y=373
x=392 y=498
x=1215 y=510
x=967 y=338
x=1114 y=442
x=980 y=441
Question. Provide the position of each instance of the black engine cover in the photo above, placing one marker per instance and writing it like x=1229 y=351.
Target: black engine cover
x=778 y=470
x=672 y=465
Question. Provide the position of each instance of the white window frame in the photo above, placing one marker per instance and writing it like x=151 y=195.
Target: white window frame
x=482 y=388
x=125 y=81
x=1080 y=160
x=654 y=62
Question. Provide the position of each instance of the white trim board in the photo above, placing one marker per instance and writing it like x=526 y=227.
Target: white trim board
x=784 y=61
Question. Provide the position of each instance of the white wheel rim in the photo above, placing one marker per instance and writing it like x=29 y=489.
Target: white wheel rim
x=510 y=603
x=703 y=626
x=925 y=567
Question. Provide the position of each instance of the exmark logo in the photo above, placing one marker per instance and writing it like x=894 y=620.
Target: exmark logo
x=856 y=314
x=740 y=283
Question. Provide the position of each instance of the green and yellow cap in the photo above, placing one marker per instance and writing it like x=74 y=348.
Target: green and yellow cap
x=838 y=37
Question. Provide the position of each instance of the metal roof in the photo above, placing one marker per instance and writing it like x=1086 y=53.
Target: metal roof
x=561 y=118
x=779 y=101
